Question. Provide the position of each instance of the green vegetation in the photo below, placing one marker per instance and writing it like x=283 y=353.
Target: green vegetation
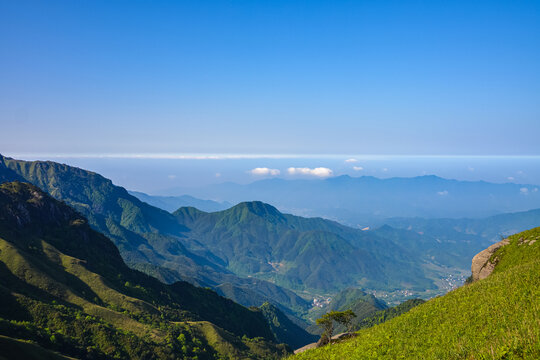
x=326 y=322
x=345 y=318
x=149 y=239
x=359 y=302
x=384 y=315
x=472 y=235
x=18 y=349
x=494 y=318
x=255 y=239
x=284 y=329
x=64 y=287
x=249 y=240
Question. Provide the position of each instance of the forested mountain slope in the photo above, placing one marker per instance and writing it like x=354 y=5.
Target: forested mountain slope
x=149 y=239
x=254 y=238
x=65 y=286
x=198 y=247
x=363 y=305
x=251 y=252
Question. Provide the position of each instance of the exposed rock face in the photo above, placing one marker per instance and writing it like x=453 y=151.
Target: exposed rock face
x=481 y=265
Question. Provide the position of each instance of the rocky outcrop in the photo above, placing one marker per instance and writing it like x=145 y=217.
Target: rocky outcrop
x=304 y=348
x=483 y=264
x=320 y=343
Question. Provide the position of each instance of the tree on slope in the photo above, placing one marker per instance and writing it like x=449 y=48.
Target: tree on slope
x=327 y=323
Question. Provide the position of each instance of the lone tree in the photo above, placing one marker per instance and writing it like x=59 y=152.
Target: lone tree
x=327 y=323
x=345 y=318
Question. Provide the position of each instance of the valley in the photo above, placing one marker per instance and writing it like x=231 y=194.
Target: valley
x=290 y=269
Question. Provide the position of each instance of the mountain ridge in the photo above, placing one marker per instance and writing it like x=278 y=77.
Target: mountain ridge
x=144 y=234
x=367 y=199
x=255 y=238
x=53 y=266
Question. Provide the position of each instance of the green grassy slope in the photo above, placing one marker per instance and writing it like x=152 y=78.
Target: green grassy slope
x=381 y=316
x=65 y=287
x=494 y=318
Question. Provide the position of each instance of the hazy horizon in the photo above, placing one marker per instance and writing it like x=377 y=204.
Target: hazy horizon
x=161 y=174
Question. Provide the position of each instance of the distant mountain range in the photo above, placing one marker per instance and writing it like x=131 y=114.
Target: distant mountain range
x=213 y=249
x=491 y=228
x=172 y=203
x=362 y=201
x=246 y=251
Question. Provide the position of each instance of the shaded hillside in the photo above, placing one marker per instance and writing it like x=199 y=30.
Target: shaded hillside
x=19 y=349
x=284 y=329
x=254 y=238
x=149 y=239
x=65 y=287
x=494 y=318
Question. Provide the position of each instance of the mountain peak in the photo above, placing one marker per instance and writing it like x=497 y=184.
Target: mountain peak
x=258 y=208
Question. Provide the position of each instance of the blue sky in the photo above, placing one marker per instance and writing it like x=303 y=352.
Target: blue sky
x=270 y=77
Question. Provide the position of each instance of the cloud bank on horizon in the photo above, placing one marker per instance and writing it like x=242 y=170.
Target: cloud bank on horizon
x=264 y=171
x=321 y=172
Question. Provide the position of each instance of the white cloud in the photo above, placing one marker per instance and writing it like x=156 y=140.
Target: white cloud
x=352 y=160
x=263 y=171
x=218 y=174
x=470 y=168
x=385 y=169
x=524 y=190
x=358 y=168
x=442 y=193
x=172 y=177
x=511 y=178
x=319 y=172
x=535 y=190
